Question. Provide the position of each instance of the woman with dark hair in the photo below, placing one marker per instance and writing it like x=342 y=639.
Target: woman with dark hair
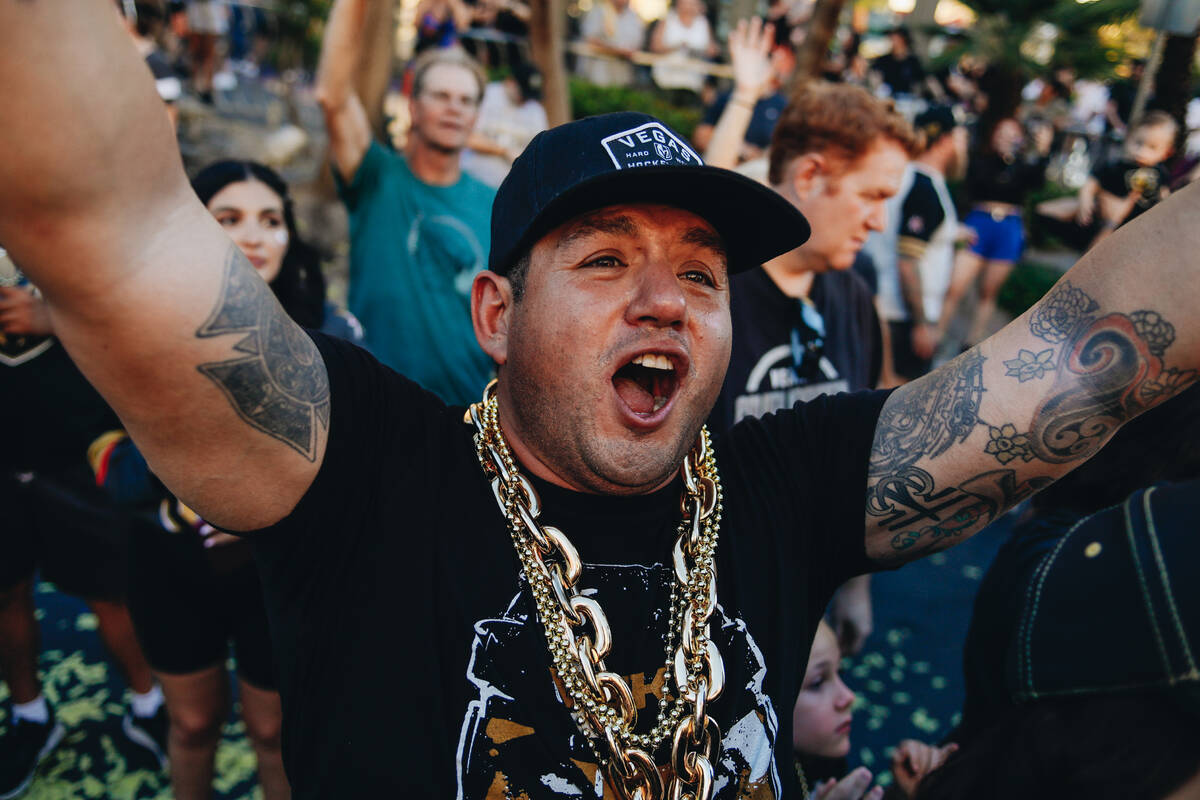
x=194 y=590
x=252 y=203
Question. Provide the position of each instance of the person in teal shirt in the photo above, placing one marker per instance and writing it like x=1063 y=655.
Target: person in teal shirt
x=419 y=225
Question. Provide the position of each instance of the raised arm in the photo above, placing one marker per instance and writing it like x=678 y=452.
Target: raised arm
x=750 y=56
x=345 y=118
x=226 y=397
x=1116 y=336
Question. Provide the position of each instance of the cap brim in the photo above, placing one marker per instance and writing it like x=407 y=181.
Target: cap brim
x=755 y=223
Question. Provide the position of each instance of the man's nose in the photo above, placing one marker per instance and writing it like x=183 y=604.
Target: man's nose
x=877 y=219
x=658 y=299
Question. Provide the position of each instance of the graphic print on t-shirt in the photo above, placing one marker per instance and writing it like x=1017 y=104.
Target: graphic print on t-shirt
x=774 y=384
x=441 y=239
x=503 y=754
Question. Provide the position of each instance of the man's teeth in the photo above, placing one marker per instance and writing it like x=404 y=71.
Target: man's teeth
x=654 y=361
x=659 y=402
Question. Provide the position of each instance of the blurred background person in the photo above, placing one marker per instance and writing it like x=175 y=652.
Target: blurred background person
x=420 y=228
x=57 y=525
x=207 y=23
x=914 y=254
x=510 y=115
x=614 y=29
x=683 y=35
x=1122 y=190
x=1000 y=178
x=899 y=69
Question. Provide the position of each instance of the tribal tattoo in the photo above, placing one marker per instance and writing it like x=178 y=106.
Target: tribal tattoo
x=946 y=514
x=1104 y=368
x=278 y=382
x=926 y=422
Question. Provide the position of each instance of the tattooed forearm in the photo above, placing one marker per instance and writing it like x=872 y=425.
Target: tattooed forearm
x=946 y=514
x=277 y=383
x=1108 y=369
x=1103 y=368
x=927 y=416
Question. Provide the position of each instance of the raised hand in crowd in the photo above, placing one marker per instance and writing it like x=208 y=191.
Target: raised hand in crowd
x=23 y=313
x=750 y=55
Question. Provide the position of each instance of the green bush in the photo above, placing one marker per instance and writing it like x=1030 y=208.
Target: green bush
x=1025 y=286
x=588 y=100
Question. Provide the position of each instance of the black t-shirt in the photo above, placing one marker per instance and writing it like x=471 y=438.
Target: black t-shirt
x=50 y=412
x=902 y=75
x=763 y=375
x=992 y=179
x=1122 y=177
x=412 y=663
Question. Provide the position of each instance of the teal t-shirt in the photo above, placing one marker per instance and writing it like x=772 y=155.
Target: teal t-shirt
x=414 y=250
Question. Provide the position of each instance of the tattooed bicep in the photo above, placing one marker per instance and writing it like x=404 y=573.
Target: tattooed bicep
x=1082 y=372
x=275 y=378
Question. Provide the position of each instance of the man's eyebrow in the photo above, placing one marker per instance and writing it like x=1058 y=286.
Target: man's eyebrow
x=705 y=238
x=620 y=225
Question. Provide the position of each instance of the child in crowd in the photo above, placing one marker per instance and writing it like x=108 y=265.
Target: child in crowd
x=1118 y=192
x=821 y=721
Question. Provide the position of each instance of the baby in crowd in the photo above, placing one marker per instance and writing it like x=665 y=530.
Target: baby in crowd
x=1118 y=192
x=821 y=722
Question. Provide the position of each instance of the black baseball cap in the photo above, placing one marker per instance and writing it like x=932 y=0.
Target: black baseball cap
x=935 y=121
x=628 y=157
x=1115 y=606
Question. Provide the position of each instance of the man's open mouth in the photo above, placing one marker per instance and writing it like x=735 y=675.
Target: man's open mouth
x=647 y=382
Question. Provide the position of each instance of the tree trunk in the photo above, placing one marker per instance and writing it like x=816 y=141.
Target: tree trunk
x=547 y=34
x=376 y=61
x=813 y=51
x=1173 y=84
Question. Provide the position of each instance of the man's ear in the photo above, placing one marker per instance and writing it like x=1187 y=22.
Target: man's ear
x=491 y=306
x=809 y=173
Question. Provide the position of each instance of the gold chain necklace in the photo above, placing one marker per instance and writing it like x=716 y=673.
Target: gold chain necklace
x=600 y=701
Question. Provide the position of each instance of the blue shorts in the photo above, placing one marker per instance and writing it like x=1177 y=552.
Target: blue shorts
x=1001 y=240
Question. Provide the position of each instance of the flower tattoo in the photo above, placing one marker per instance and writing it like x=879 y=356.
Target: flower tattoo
x=1006 y=444
x=1029 y=366
x=1156 y=331
x=1060 y=313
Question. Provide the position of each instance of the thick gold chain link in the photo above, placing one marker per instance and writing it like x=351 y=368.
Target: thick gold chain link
x=579 y=637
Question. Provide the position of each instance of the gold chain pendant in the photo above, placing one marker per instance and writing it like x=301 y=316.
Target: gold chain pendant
x=579 y=637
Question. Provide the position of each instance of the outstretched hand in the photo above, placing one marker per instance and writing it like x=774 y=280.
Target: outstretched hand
x=750 y=54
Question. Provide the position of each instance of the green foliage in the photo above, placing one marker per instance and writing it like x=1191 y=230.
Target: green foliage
x=1027 y=284
x=1004 y=27
x=588 y=100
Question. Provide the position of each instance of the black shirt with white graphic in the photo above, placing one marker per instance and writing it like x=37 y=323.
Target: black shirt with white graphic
x=764 y=375
x=412 y=663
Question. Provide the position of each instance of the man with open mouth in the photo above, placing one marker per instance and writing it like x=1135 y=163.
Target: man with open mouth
x=565 y=589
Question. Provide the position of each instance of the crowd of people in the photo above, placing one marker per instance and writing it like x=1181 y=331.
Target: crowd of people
x=261 y=472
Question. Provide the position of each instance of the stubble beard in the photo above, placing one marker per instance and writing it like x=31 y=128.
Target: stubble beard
x=564 y=438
